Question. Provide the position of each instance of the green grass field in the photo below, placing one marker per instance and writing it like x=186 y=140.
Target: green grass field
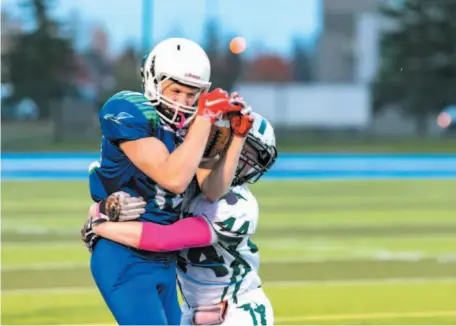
x=345 y=252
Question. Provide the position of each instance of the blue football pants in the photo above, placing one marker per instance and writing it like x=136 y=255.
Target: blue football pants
x=138 y=289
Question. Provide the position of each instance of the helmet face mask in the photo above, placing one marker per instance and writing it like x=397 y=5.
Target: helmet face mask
x=259 y=153
x=183 y=62
x=252 y=167
x=173 y=111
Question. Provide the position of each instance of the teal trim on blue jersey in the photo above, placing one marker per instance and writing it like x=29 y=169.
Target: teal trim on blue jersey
x=129 y=116
x=141 y=102
x=93 y=166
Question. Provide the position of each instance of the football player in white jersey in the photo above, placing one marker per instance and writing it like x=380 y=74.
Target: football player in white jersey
x=218 y=263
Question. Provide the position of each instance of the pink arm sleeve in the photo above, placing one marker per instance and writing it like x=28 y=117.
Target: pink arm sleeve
x=186 y=233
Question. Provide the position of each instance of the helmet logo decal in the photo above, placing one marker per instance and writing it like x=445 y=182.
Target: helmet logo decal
x=190 y=75
x=262 y=127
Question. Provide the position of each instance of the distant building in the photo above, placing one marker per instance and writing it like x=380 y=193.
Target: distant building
x=347 y=50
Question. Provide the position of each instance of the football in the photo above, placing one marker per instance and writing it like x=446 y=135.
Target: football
x=219 y=139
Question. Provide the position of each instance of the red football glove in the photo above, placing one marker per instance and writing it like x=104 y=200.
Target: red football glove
x=243 y=122
x=215 y=104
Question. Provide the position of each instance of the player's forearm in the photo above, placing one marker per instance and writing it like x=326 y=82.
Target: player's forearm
x=126 y=233
x=187 y=233
x=219 y=180
x=182 y=164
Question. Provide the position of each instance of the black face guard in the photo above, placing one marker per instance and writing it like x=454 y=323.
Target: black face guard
x=266 y=156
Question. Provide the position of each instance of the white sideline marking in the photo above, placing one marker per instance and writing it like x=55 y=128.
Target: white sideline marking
x=87 y=289
x=374 y=315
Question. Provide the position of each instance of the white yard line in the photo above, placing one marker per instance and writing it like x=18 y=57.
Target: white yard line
x=443 y=258
x=375 y=315
x=45 y=266
x=76 y=290
x=362 y=282
x=33 y=245
x=50 y=291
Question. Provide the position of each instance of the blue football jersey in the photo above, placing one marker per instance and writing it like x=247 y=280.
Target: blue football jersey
x=130 y=116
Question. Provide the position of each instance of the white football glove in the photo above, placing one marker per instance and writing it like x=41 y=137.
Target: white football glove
x=237 y=99
x=118 y=207
x=88 y=235
x=121 y=206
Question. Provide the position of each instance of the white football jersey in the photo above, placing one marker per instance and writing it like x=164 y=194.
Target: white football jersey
x=228 y=268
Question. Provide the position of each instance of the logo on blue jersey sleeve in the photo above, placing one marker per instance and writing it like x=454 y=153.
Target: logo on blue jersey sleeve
x=120 y=116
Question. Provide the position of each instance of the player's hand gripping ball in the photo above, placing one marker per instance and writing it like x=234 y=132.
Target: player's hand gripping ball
x=234 y=122
x=219 y=139
x=242 y=122
x=219 y=107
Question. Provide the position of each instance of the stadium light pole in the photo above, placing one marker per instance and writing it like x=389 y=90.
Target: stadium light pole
x=147 y=14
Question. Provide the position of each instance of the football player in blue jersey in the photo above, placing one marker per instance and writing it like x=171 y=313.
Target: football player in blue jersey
x=143 y=153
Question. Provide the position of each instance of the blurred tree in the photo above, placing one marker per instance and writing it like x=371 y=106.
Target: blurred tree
x=301 y=62
x=41 y=60
x=418 y=67
x=99 y=65
x=126 y=70
x=10 y=28
x=269 y=68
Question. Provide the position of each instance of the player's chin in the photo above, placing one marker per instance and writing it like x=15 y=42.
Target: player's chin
x=170 y=113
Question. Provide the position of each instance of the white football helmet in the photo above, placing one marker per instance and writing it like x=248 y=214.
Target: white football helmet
x=262 y=139
x=180 y=60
